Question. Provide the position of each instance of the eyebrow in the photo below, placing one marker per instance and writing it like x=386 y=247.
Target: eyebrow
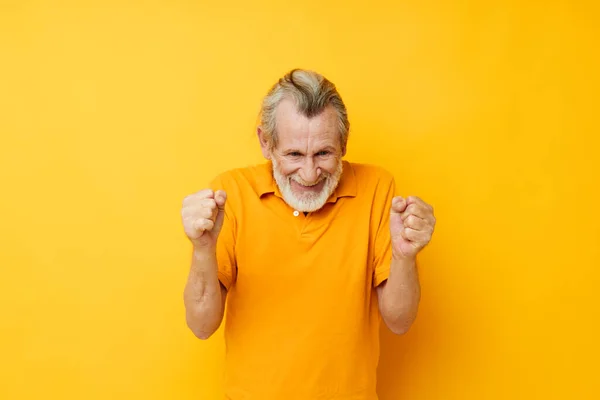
x=326 y=148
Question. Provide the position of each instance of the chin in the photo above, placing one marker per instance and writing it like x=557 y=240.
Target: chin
x=306 y=206
x=307 y=202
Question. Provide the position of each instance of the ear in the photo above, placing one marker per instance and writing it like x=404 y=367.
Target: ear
x=344 y=150
x=264 y=143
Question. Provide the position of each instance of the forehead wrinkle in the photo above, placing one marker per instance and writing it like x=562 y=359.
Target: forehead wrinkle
x=306 y=134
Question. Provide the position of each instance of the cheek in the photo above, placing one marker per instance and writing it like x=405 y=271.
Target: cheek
x=329 y=166
x=287 y=168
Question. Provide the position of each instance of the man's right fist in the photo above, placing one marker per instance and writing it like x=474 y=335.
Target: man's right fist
x=202 y=214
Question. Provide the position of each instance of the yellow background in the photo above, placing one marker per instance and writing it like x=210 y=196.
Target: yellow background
x=112 y=111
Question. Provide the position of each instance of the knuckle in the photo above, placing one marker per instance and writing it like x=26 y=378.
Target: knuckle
x=187 y=211
x=187 y=200
x=205 y=194
x=204 y=223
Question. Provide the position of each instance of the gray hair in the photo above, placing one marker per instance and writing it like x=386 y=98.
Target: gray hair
x=312 y=93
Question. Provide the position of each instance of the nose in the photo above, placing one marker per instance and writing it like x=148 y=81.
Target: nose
x=310 y=172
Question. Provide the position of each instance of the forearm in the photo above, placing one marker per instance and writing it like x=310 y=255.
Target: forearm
x=400 y=295
x=202 y=295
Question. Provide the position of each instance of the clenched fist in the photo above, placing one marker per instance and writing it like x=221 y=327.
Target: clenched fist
x=411 y=226
x=202 y=214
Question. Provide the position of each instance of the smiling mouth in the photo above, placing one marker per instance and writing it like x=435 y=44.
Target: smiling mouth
x=314 y=187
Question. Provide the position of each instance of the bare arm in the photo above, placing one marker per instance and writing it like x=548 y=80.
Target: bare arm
x=204 y=296
x=411 y=226
x=399 y=296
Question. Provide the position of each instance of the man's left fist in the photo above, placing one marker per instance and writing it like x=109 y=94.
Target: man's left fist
x=411 y=226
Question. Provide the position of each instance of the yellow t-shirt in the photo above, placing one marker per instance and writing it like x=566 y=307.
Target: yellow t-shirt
x=302 y=316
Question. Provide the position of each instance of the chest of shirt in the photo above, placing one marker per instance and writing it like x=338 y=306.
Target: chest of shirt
x=333 y=245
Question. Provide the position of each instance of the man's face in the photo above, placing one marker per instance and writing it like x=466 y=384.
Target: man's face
x=307 y=162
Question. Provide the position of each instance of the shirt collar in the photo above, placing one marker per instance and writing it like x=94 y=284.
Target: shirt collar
x=265 y=182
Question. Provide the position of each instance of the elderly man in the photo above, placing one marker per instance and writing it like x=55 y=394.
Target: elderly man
x=309 y=250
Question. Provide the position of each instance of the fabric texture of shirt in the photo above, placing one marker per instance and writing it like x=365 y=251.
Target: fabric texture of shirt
x=302 y=318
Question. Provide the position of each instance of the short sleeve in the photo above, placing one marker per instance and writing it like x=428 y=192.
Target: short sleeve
x=382 y=247
x=226 y=241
